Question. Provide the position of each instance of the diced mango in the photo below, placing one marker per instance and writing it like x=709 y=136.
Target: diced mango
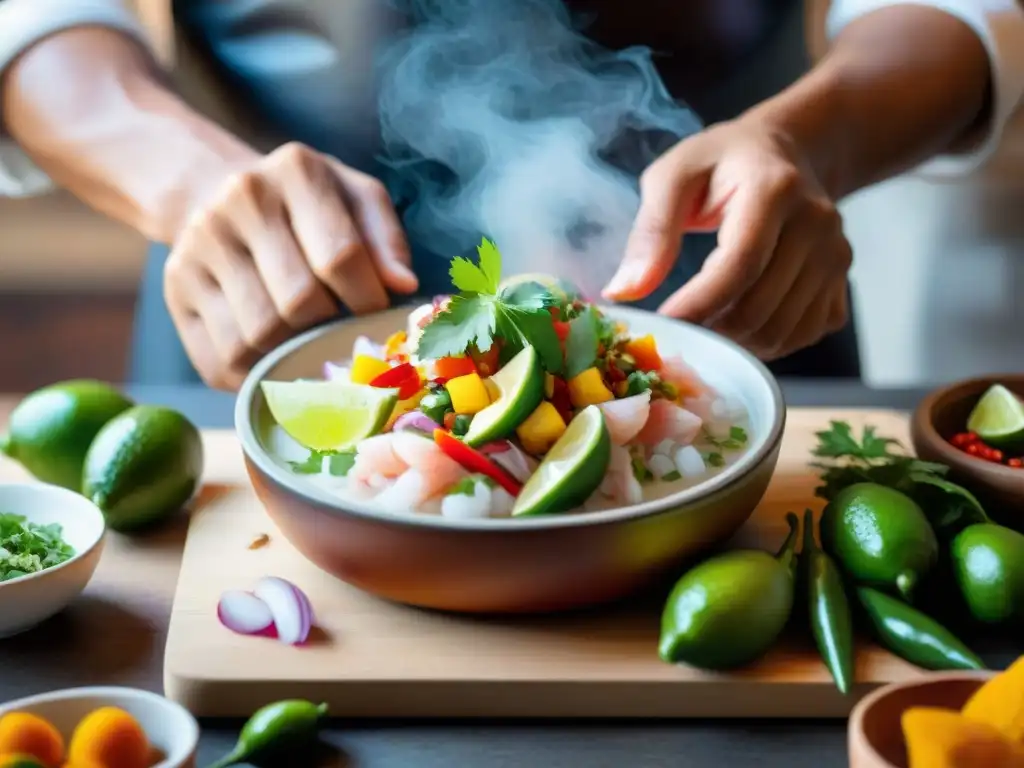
x=365 y=369
x=395 y=345
x=588 y=388
x=468 y=393
x=541 y=429
x=644 y=351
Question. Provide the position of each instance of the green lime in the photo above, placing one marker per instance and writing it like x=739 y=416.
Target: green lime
x=998 y=417
x=50 y=429
x=880 y=536
x=143 y=466
x=520 y=385
x=988 y=561
x=572 y=470
x=329 y=415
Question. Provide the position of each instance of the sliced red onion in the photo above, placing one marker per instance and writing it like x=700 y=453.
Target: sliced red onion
x=364 y=346
x=337 y=372
x=415 y=420
x=515 y=462
x=244 y=613
x=291 y=609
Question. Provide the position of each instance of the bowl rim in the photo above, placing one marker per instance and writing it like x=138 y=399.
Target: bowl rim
x=189 y=744
x=855 y=727
x=731 y=475
x=57 y=491
x=924 y=418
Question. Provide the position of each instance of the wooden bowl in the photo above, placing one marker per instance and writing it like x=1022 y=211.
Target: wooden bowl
x=511 y=565
x=874 y=731
x=944 y=413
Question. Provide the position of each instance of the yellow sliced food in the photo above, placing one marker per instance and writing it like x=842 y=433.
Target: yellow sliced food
x=541 y=429
x=588 y=388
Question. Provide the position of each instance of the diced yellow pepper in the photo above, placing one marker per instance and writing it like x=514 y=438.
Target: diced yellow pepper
x=404 y=406
x=541 y=429
x=365 y=369
x=588 y=388
x=468 y=393
x=549 y=385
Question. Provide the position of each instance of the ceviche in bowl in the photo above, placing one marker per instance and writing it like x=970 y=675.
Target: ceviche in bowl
x=508 y=405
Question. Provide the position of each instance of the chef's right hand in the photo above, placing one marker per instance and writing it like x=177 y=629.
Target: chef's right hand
x=280 y=245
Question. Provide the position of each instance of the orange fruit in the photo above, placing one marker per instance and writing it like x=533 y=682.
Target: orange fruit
x=22 y=733
x=109 y=737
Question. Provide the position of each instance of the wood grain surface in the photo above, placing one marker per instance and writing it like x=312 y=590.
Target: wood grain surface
x=370 y=658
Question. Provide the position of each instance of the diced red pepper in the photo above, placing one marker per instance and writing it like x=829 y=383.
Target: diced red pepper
x=487 y=362
x=560 y=398
x=561 y=330
x=449 y=420
x=453 y=367
x=474 y=461
x=404 y=377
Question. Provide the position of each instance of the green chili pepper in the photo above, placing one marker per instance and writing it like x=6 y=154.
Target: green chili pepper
x=913 y=635
x=461 y=424
x=831 y=622
x=283 y=725
x=436 y=404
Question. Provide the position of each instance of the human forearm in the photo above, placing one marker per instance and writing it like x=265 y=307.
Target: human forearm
x=90 y=109
x=898 y=86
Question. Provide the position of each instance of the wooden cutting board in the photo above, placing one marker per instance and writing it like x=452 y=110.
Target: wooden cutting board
x=370 y=658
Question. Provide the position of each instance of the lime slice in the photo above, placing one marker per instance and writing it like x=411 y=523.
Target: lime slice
x=572 y=469
x=329 y=415
x=998 y=417
x=520 y=389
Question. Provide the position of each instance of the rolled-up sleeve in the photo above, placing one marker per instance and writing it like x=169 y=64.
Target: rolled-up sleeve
x=1000 y=26
x=23 y=23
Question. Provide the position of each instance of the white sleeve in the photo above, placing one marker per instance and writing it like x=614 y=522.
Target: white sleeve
x=23 y=23
x=1000 y=25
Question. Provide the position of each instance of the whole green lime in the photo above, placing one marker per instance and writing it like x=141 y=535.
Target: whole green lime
x=988 y=561
x=727 y=611
x=143 y=466
x=880 y=537
x=51 y=429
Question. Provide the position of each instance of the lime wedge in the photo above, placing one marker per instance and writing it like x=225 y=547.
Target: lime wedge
x=520 y=388
x=998 y=417
x=572 y=469
x=328 y=415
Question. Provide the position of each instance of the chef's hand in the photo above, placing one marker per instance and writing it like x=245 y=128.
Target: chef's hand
x=278 y=247
x=776 y=282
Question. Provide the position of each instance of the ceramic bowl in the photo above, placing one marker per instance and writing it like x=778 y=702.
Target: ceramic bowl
x=170 y=728
x=874 y=731
x=942 y=414
x=539 y=564
x=28 y=600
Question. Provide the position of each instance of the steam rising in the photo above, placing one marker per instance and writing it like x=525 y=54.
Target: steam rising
x=501 y=119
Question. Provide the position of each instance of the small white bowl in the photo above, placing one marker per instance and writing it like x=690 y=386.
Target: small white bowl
x=169 y=726
x=29 y=600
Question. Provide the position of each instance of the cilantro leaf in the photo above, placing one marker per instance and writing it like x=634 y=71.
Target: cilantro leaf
x=466 y=320
x=528 y=295
x=520 y=327
x=839 y=442
x=581 y=344
x=338 y=463
x=641 y=381
x=467 y=485
x=640 y=470
x=481 y=278
x=490 y=263
x=29 y=547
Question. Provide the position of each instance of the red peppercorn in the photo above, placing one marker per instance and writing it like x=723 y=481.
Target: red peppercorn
x=974 y=449
x=997 y=456
x=1016 y=463
x=962 y=439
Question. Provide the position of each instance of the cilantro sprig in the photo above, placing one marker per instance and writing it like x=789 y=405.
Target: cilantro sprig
x=482 y=312
x=873 y=459
x=29 y=547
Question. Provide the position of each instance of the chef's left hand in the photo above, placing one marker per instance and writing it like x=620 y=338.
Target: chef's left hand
x=777 y=280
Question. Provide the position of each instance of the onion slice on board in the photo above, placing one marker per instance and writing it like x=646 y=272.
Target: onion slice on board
x=244 y=613
x=291 y=609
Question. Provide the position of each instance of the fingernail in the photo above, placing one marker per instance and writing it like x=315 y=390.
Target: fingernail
x=622 y=282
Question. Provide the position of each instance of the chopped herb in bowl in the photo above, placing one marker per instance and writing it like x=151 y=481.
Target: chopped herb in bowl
x=29 y=547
